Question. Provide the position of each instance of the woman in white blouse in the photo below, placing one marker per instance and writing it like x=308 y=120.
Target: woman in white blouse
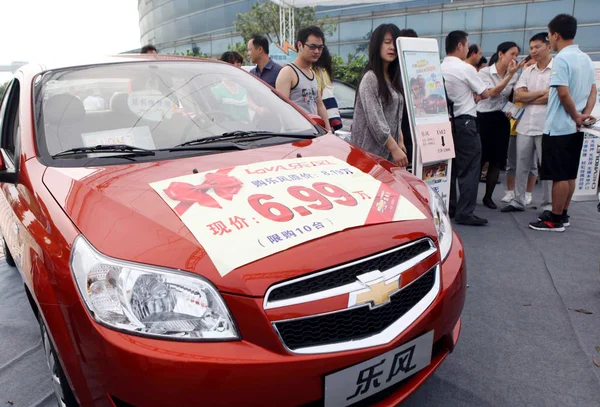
x=494 y=125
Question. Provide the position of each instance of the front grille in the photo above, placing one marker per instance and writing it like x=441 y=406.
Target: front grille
x=354 y=323
x=347 y=275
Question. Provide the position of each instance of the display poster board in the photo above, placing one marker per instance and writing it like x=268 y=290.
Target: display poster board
x=425 y=96
x=586 y=184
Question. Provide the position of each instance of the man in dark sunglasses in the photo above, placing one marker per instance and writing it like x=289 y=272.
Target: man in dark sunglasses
x=297 y=80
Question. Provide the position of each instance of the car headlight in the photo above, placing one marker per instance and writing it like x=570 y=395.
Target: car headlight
x=442 y=222
x=149 y=300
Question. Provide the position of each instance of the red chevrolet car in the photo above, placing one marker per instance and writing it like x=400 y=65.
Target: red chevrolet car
x=435 y=103
x=188 y=237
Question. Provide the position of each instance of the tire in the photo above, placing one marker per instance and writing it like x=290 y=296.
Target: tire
x=62 y=390
x=7 y=256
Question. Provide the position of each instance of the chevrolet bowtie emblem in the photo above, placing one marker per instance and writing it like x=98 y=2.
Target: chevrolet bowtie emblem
x=376 y=292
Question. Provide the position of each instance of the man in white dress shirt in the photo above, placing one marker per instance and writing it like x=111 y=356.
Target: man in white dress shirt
x=532 y=91
x=463 y=86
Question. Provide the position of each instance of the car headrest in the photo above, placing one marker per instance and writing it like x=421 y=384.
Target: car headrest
x=63 y=109
x=119 y=103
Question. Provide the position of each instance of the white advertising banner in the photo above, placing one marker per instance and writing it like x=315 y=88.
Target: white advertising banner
x=267 y=207
x=586 y=184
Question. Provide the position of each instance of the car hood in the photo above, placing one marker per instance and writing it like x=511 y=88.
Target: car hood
x=122 y=216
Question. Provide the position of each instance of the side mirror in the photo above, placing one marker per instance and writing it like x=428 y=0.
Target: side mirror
x=347 y=113
x=2 y=165
x=317 y=120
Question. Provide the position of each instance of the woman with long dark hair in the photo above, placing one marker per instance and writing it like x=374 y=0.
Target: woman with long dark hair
x=379 y=101
x=494 y=125
x=233 y=58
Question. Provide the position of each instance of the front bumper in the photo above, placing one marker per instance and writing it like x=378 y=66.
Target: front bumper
x=120 y=369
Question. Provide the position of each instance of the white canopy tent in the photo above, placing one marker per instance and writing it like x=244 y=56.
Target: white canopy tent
x=286 y=12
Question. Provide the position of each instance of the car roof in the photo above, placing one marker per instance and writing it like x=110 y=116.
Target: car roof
x=343 y=83
x=32 y=69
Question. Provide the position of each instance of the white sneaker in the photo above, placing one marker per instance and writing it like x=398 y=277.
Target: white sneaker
x=508 y=196
x=528 y=198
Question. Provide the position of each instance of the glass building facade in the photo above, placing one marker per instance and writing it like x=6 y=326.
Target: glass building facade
x=207 y=25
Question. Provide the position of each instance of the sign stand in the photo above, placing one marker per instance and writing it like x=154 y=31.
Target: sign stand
x=425 y=96
x=586 y=184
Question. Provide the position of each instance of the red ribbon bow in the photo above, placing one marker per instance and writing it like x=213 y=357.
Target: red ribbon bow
x=225 y=187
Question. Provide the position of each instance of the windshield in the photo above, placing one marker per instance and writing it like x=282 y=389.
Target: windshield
x=157 y=105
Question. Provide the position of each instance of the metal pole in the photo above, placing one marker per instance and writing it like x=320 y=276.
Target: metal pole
x=292 y=26
x=281 y=25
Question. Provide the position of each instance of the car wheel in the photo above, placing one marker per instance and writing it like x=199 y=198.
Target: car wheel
x=62 y=390
x=9 y=258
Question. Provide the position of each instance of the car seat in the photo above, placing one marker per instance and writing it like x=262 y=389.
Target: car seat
x=63 y=121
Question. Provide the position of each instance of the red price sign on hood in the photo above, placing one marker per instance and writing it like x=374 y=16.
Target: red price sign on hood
x=267 y=207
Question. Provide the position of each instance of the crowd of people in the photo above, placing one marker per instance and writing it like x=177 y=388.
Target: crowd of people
x=556 y=96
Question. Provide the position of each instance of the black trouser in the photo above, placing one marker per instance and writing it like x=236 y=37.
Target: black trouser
x=466 y=167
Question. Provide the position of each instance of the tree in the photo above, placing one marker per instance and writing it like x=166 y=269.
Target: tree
x=194 y=52
x=364 y=47
x=350 y=72
x=263 y=19
x=242 y=49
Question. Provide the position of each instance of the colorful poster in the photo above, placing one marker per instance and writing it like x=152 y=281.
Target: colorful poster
x=427 y=101
x=267 y=207
x=426 y=85
x=437 y=176
x=436 y=141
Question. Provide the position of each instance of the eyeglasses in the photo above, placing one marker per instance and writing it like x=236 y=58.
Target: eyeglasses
x=314 y=47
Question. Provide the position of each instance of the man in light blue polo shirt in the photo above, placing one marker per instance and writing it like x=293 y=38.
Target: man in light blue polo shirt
x=571 y=100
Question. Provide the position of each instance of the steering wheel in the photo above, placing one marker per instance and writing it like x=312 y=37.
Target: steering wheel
x=272 y=123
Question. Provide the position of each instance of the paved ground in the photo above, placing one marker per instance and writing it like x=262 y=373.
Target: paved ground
x=523 y=341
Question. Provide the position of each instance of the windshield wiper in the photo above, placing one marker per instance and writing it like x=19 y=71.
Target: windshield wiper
x=238 y=134
x=106 y=148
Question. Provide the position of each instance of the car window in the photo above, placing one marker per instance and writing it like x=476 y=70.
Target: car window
x=9 y=119
x=157 y=105
x=344 y=95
